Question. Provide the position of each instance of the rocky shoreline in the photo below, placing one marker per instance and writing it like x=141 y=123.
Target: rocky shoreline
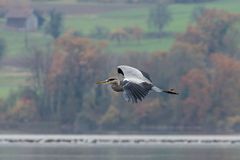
x=119 y=140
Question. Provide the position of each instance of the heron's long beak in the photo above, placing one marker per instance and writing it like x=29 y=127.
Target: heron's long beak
x=102 y=82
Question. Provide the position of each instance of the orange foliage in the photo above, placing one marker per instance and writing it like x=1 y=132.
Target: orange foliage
x=225 y=64
x=215 y=25
x=146 y=108
x=226 y=83
x=119 y=35
x=211 y=78
x=210 y=33
x=214 y=19
x=80 y=52
x=225 y=69
x=24 y=110
x=57 y=64
x=197 y=90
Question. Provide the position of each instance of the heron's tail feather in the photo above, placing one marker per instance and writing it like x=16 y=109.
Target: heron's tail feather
x=171 y=91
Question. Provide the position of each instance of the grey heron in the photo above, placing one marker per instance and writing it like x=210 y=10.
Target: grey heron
x=134 y=83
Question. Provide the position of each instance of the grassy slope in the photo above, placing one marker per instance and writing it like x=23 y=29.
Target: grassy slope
x=181 y=17
x=181 y=14
x=147 y=45
x=15 y=41
x=10 y=80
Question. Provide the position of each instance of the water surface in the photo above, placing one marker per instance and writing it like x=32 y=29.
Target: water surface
x=15 y=148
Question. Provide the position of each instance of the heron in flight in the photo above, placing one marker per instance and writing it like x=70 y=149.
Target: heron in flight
x=134 y=83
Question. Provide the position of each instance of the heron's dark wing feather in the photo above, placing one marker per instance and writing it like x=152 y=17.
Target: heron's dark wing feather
x=146 y=75
x=134 y=92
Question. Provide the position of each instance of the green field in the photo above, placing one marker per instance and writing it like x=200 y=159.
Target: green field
x=16 y=42
x=146 y=45
x=57 y=1
x=11 y=79
x=181 y=17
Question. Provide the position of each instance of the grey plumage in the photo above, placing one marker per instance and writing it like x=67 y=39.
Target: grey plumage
x=135 y=84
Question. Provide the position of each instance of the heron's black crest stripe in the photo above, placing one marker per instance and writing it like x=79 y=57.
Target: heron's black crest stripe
x=111 y=79
x=120 y=71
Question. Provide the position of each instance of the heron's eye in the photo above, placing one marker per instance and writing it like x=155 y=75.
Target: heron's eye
x=111 y=79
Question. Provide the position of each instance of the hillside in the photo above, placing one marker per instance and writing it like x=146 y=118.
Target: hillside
x=85 y=17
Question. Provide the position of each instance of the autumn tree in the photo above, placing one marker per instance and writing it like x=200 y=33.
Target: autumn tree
x=203 y=65
x=110 y=119
x=119 y=35
x=213 y=33
x=135 y=33
x=196 y=91
x=192 y=48
x=190 y=62
x=22 y=106
x=76 y=65
x=38 y=63
x=225 y=78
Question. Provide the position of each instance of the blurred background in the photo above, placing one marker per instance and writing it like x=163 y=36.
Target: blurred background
x=53 y=51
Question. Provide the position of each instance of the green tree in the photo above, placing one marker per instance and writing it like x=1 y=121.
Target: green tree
x=40 y=17
x=100 y=32
x=198 y=12
x=2 y=47
x=55 y=24
x=39 y=63
x=159 y=16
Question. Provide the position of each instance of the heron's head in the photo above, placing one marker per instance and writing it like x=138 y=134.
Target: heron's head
x=111 y=80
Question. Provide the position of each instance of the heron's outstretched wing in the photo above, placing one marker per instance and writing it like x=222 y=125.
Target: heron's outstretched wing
x=133 y=73
x=146 y=75
x=134 y=92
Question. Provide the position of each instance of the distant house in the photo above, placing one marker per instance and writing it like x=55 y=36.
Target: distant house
x=21 y=19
